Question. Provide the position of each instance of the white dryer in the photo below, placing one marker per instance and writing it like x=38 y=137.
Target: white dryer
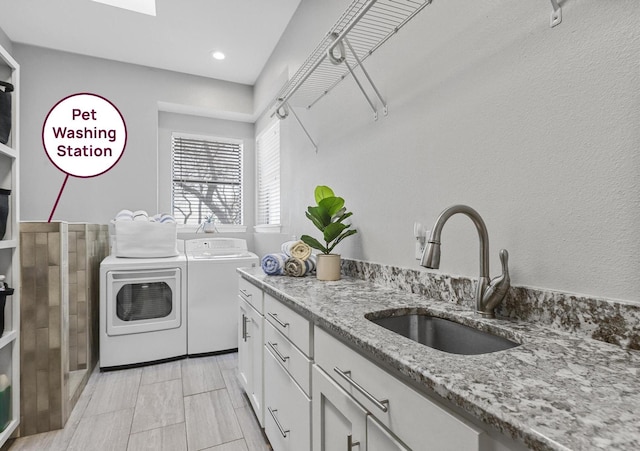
x=143 y=310
x=212 y=298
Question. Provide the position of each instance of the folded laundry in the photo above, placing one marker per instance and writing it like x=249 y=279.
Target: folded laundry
x=164 y=218
x=124 y=215
x=273 y=264
x=297 y=268
x=140 y=215
x=298 y=249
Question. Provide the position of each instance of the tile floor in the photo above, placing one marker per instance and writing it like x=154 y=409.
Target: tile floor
x=191 y=404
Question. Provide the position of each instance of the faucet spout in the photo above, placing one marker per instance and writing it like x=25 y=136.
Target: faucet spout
x=431 y=256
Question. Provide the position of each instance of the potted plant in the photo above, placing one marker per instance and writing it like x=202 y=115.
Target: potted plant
x=328 y=216
x=209 y=226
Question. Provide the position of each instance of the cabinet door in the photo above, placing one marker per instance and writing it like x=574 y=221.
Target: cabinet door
x=338 y=422
x=380 y=439
x=256 y=342
x=244 y=352
x=250 y=355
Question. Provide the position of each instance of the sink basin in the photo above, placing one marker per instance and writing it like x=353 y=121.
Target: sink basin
x=443 y=334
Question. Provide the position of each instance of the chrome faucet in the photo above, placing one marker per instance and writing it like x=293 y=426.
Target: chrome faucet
x=489 y=293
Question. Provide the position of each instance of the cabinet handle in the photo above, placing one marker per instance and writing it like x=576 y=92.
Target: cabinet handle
x=346 y=375
x=245 y=293
x=273 y=414
x=244 y=327
x=276 y=352
x=351 y=443
x=275 y=317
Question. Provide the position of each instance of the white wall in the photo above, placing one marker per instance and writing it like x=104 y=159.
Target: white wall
x=537 y=128
x=48 y=76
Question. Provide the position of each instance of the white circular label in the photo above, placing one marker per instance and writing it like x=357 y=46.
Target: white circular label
x=84 y=135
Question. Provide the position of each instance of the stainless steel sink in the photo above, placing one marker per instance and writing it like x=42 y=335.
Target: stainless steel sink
x=442 y=334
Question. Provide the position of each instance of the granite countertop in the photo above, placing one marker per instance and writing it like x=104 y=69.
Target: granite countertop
x=555 y=391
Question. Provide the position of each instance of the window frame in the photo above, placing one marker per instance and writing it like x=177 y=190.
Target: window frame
x=268 y=226
x=213 y=139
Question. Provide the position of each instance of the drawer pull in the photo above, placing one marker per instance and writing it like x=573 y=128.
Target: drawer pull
x=351 y=443
x=276 y=352
x=346 y=375
x=277 y=320
x=273 y=415
x=245 y=293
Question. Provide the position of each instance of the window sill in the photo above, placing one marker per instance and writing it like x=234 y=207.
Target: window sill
x=267 y=228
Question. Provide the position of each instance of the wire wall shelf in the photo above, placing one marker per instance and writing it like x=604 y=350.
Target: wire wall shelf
x=362 y=28
x=360 y=31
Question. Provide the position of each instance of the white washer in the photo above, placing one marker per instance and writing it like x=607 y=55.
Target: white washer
x=212 y=302
x=143 y=310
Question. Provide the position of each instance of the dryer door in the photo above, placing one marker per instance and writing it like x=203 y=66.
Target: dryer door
x=143 y=301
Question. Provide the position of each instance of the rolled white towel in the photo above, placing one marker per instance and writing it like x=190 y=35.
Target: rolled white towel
x=273 y=264
x=124 y=215
x=140 y=215
x=298 y=249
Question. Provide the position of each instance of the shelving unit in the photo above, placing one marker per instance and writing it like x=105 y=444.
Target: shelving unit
x=9 y=247
x=360 y=31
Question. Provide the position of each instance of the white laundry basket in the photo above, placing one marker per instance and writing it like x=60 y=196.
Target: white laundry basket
x=140 y=239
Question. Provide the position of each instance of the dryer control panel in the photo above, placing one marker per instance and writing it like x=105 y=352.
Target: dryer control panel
x=215 y=247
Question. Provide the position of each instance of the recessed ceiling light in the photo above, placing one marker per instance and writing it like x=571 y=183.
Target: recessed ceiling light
x=218 y=55
x=140 y=6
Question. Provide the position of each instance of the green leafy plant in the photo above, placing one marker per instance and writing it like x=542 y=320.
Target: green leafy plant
x=328 y=216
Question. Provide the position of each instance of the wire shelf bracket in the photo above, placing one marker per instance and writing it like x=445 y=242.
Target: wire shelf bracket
x=282 y=112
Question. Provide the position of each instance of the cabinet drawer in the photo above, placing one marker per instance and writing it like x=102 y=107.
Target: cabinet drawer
x=293 y=326
x=251 y=294
x=410 y=415
x=287 y=421
x=290 y=357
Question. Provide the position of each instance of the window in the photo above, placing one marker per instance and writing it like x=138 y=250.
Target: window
x=268 y=151
x=207 y=179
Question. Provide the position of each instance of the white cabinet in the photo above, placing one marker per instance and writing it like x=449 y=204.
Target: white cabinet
x=287 y=377
x=339 y=423
x=397 y=410
x=380 y=439
x=287 y=421
x=10 y=259
x=292 y=325
x=250 y=349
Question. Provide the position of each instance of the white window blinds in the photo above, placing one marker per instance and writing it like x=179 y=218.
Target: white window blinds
x=207 y=179
x=268 y=152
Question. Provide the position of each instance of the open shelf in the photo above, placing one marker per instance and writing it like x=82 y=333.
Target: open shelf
x=8 y=337
x=8 y=151
x=8 y=244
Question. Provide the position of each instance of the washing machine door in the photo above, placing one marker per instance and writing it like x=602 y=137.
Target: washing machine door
x=143 y=301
